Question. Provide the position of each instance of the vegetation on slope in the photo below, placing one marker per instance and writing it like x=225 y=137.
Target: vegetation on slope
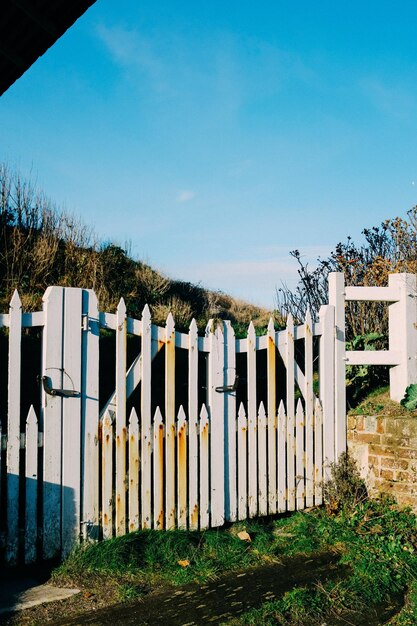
x=42 y=245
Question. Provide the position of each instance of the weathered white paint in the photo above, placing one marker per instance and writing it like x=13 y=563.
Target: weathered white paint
x=121 y=434
x=252 y=425
x=271 y=412
x=204 y=468
x=133 y=493
x=326 y=380
x=146 y=412
x=337 y=299
x=13 y=429
x=181 y=470
x=170 y=423
x=193 y=509
x=262 y=462
x=90 y=415
x=402 y=316
x=107 y=476
x=31 y=475
x=230 y=481
x=158 y=471
x=281 y=458
x=51 y=420
x=309 y=410
x=242 y=455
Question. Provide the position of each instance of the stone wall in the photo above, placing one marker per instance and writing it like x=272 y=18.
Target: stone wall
x=386 y=451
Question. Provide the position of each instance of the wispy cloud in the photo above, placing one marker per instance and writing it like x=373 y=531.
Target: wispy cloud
x=129 y=49
x=185 y=195
x=393 y=100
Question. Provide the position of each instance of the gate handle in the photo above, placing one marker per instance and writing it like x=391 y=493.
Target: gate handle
x=62 y=393
x=228 y=388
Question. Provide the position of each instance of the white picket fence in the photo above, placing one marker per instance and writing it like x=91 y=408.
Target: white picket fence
x=74 y=472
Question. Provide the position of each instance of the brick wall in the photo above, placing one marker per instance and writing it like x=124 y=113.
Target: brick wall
x=386 y=451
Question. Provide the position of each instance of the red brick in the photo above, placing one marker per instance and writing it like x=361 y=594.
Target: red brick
x=404 y=477
x=359 y=422
x=387 y=474
x=393 y=463
x=368 y=438
x=380 y=426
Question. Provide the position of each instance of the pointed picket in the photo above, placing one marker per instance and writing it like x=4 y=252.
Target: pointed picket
x=133 y=494
x=204 y=468
x=309 y=410
x=327 y=382
x=192 y=425
x=170 y=422
x=262 y=461
x=242 y=483
x=282 y=459
x=146 y=427
x=51 y=420
x=107 y=475
x=182 y=470
x=158 y=471
x=217 y=417
x=318 y=453
x=31 y=473
x=90 y=411
x=252 y=425
x=272 y=423
x=230 y=379
x=121 y=433
x=289 y=351
x=13 y=428
x=299 y=456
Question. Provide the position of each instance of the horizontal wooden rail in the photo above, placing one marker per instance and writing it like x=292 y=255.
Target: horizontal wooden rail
x=373 y=357
x=372 y=294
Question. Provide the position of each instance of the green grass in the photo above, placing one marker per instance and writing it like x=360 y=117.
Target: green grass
x=374 y=538
x=148 y=558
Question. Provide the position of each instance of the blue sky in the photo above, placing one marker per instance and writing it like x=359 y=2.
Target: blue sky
x=218 y=136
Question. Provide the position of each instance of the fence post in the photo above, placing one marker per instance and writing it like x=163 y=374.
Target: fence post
x=403 y=334
x=337 y=299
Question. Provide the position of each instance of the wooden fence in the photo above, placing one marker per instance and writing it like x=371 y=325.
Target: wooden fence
x=249 y=437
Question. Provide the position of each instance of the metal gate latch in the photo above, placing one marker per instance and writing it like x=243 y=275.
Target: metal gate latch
x=62 y=393
x=228 y=388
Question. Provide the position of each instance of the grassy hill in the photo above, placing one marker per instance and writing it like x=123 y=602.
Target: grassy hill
x=42 y=245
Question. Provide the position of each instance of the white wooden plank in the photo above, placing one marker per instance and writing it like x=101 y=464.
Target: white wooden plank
x=134 y=327
x=216 y=408
x=282 y=458
x=182 y=470
x=51 y=420
x=373 y=357
x=337 y=299
x=262 y=462
x=193 y=422
x=326 y=378
x=121 y=433
x=318 y=453
x=204 y=468
x=272 y=421
x=242 y=456
x=146 y=416
x=373 y=294
x=289 y=350
x=230 y=421
x=90 y=416
x=13 y=429
x=31 y=474
x=309 y=409
x=108 y=320
x=33 y=320
x=299 y=457
x=158 y=471
x=71 y=421
x=252 y=425
x=4 y=320
x=133 y=495
x=107 y=476
x=170 y=422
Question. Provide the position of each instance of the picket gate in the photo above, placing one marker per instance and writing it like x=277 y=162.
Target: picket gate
x=256 y=445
